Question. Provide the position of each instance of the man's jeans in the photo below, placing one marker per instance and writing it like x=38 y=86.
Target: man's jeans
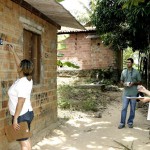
x=125 y=103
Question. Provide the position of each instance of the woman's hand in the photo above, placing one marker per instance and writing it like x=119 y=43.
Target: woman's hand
x=16 y=126
x=141 y=88
x=10 y=47
x=144 y=99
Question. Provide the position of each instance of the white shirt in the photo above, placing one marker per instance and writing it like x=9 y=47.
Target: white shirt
x=20 y=88
x=148 y=115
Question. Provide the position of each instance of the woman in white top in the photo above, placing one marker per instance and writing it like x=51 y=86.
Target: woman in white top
x=19 y=97
x=145 y=99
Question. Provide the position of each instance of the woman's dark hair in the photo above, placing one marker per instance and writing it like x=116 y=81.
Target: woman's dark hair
x=27 y=68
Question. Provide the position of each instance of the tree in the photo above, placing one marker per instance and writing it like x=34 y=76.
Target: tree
x=130 y=3
x=122 y=24
x=84 y=18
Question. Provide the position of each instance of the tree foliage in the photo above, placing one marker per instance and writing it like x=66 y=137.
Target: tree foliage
x=128 y=53
x=130 y=3
x=83 y=16
x=123 y=23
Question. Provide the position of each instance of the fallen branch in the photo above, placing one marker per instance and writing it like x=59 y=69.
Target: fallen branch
x=126 y=147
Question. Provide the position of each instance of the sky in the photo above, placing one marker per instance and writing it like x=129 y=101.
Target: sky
x=74 y=5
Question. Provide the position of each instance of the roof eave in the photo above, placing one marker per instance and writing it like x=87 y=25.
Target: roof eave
x=35 y=11
x=51 y=11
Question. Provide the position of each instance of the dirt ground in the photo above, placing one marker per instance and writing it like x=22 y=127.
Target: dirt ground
x=84 y=131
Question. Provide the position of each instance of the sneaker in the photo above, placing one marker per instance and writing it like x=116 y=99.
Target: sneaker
x=130 y=125
x=121 y=126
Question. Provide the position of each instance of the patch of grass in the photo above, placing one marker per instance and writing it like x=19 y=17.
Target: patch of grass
x=64 y=104
x=70 y=97
x=89 y=105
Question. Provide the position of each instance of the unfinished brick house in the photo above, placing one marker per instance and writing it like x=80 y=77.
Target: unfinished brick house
x=85 y=49
x=31 y=26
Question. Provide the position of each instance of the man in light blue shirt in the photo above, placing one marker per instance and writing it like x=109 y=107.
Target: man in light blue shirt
x=130 y=78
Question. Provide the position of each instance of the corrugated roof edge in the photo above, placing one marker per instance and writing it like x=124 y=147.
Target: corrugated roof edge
x=72 y=30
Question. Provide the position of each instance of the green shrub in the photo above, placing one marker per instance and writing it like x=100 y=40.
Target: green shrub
x=63 y=104
x=89 y=105
x=70 y=97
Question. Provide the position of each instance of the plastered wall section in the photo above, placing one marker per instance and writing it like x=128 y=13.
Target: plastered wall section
x=88 y=53
x=13 y=19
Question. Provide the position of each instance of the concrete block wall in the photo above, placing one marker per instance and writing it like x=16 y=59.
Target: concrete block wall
x=44 y=98
x=87 y=53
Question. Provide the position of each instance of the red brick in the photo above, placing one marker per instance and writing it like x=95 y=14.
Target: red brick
x=2 y=113
x=1 y=9
x=12 y=29
x=2 y=124
x=4 y=104
x=2 y=132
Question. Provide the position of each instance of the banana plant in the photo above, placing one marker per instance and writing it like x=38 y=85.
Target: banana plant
x=66 y=63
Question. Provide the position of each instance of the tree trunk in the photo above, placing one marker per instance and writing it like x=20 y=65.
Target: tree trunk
x=148 y=70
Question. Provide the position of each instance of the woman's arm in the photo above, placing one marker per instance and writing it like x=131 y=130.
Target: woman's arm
x=17 y=112
x=145 y=99
x=17 y=59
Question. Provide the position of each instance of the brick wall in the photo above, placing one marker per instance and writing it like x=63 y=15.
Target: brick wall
x=88 y=53
x=13 y=20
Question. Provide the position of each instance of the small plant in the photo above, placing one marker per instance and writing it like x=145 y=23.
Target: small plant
x=73 y=97
x=64 y=104
x=67 y=63
x=89 y=104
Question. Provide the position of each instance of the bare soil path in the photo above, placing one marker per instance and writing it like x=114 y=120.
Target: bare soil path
x=82 y=131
